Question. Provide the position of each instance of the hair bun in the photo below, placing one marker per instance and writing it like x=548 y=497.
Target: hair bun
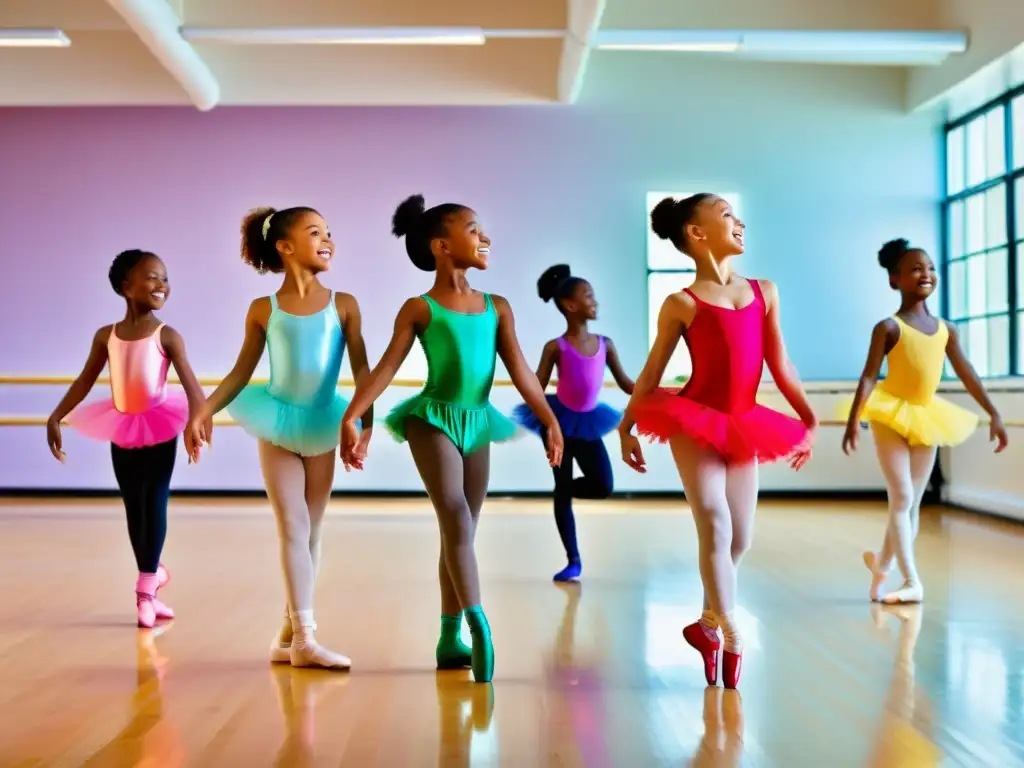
x=408 y=216
x=548 y=283
x=664 y=219
x=891 y=253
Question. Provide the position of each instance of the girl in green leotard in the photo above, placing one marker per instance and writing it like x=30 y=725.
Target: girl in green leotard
x=450 y=424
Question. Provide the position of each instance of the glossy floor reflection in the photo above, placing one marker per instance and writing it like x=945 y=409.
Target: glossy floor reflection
x=591 y=674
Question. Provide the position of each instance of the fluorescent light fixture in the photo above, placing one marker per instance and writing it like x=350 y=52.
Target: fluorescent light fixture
x=33 y=38
x=781 y=42
x=337 y=36
x=676 y=47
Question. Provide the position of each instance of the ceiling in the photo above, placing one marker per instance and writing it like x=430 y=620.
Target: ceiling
x=130 y=52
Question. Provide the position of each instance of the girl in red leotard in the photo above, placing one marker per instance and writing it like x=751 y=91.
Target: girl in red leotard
x=717 y=431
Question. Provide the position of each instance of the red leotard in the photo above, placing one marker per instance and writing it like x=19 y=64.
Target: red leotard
x=718 y=406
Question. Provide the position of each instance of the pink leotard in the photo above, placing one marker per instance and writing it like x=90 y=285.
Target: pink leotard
x=718 y=406
x=580 y=378
x=142 y=411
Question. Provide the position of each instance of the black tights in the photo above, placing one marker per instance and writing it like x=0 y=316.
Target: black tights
x=144 y=478
x=457 y=486
x=596 y=483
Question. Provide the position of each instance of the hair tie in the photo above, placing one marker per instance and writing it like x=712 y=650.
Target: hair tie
x=266 y=225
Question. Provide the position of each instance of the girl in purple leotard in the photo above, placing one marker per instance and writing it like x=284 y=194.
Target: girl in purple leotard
x=581 y=357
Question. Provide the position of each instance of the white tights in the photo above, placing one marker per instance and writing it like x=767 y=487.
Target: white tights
x=907 y=470
x=723 y=498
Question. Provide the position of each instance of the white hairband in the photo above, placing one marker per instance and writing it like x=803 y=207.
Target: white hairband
x=266 y=225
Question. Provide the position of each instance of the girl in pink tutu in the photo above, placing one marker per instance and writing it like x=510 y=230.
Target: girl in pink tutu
x=143 y=419
x=717 y=431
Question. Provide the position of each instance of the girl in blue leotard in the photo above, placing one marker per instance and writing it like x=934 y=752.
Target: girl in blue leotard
x=296 y=416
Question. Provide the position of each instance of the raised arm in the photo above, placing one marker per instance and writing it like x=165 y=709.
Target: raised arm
x=625 y=383
x=676 y=313
x=883 y=337
x=352 y=322
x=248 y=358
x=548 y=358
x=414 y=315
x=966 y=373
x=782 y=369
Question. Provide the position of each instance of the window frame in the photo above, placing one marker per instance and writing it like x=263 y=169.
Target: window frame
x=1014 y=240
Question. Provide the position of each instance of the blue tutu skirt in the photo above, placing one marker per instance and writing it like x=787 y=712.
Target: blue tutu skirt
x=303 y=429
x=581 y=425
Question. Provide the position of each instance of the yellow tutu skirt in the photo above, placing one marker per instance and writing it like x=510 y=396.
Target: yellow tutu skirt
x=938 y=422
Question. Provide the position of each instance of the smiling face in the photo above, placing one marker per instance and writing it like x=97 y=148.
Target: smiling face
x=714 y=228
x=915 y=275
x=581 y=301
x=464 y=242
x=146 y=284
x=308 y=243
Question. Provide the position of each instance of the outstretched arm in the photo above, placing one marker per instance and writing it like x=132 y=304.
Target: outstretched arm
x=352 y=322
x=782 y=369
x=413 y=315
x=966 y=373
x=612 y=357
x=548 y=358
x=248 y=358
x=523 y=378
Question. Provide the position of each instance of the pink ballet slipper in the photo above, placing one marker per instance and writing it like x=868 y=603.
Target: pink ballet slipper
x=163 y=611
x=145 y=592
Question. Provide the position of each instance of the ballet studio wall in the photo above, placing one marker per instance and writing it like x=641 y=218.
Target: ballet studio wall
x=825 y=160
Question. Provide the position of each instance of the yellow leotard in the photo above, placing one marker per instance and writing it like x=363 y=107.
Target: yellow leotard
x=905 y=400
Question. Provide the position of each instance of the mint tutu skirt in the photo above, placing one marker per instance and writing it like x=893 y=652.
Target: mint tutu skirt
x=307 y=430
x=580 y=425
x=160 y=423
x=470 y=428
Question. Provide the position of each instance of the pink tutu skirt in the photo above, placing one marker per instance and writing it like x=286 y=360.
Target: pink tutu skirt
x=759 y=434
x=163 y=422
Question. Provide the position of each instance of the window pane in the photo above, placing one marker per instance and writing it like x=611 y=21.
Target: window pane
x=999 y=346
x=965 y=342
x=1020 y=277
x=976 y=151
x=995 y=216
x=977 y=333
x=1020 y=341
x=955 y=160
x=1018 y=204
x=1017 y=115
x=661 y=254
x=976 y=223
x=957 y=290
x=995 y=143
x=976 y=285
x=955 y=223
x=997 y=288
x=661 y=285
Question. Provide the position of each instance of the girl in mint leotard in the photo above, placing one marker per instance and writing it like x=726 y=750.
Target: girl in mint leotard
x=450 y=424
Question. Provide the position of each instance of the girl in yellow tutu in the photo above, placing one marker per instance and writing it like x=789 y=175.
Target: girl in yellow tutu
x=908 y=422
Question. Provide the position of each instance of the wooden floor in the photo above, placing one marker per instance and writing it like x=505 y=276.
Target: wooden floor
x=588 y=675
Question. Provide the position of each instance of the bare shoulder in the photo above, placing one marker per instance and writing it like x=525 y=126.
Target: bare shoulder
x=169 y=337
x=102 y=336
x=950 y=328
x=679 y=302
x=500 y=303
x=769 y=291
x=551 y=348
x=259 y=311
x=416 y=310
x=346 y=305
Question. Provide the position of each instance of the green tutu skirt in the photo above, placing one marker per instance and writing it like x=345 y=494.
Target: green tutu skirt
x=307 y=430
x=469 y=428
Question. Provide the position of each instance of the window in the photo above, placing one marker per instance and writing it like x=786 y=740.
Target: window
x=983 y=258
x=669 y=271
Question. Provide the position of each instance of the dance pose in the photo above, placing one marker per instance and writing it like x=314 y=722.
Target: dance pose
x=296 y=417
x=717 y=431
x=581 y=358
x=908 y=422
x=142 y=420
x=451 y=423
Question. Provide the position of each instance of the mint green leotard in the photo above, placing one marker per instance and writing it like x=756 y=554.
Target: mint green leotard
x=460 y=351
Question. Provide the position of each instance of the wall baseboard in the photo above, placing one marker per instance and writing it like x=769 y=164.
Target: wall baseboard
x=1002 y=505
x=92 y=493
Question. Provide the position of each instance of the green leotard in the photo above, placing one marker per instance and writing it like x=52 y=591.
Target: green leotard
x=460 y=351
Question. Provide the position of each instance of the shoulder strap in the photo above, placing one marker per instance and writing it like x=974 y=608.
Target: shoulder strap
x=755 y=286
x=273 y=302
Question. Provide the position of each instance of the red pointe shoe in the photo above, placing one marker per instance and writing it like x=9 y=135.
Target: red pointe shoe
x=706 y=642
x=731 y=663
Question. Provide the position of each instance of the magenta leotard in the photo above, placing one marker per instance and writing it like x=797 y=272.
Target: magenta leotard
x=142 y=411
x=575 y=404
x=718 y=406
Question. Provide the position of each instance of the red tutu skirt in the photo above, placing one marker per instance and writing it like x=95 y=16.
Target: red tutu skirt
x=759 y=433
